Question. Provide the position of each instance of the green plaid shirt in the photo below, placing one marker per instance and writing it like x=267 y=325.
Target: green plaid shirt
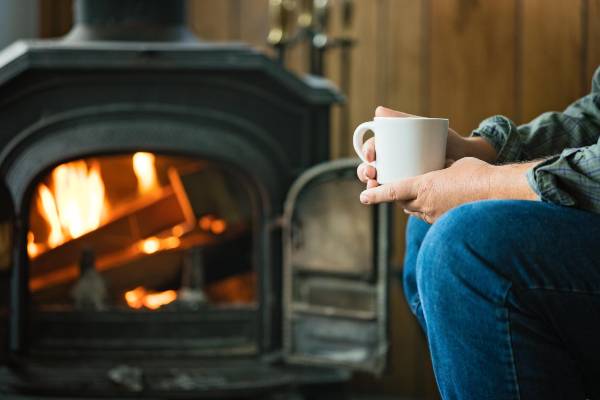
x=569 y=144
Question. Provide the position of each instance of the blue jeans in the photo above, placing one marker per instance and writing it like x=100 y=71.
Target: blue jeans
x=508 y=294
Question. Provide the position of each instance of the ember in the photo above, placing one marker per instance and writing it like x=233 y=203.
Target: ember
x=139 y=297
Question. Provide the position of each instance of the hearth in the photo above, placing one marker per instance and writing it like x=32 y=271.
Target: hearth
x=178 y=232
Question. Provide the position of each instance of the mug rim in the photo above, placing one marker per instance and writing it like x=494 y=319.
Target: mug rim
x=411 y=118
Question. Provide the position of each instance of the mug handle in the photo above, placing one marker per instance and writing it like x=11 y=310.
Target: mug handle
x=358 y=138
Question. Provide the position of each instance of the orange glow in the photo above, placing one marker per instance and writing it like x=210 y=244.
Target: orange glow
x=205 y=222
x=153 y=244
x=33 y=248
x=135 y=297
x=79 y=194
x=150 y=245
x=218 y=226
x=139 y=297
x=178 y=230
x=76 y=203
x=47 y=207
x=155 y=300
x=145 y=171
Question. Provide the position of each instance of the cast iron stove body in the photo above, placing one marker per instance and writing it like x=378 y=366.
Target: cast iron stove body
x=98 y=93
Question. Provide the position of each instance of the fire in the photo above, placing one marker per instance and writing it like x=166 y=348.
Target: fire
x=145 y=171
x=76 y=203
x=210 y=223
x=153 y=244
x=140 y=297
x=218 y=226
x=150 y=245
x=33 y=248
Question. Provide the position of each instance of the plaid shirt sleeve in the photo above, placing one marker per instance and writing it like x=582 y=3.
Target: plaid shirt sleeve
x=568 y=142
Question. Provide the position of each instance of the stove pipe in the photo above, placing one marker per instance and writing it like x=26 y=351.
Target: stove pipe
x=130 y=20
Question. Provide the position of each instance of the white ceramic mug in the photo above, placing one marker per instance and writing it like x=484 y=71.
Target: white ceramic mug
x=404 y=147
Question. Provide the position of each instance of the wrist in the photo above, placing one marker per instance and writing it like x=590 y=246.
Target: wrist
x=479 y=147
x=509 y=182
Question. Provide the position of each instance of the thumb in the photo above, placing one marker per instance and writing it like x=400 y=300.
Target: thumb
x=381 y=111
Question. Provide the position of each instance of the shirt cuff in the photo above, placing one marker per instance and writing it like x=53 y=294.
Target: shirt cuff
x=545 y=179
x=502 y=134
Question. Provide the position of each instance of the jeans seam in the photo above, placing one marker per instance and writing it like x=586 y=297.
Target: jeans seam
x=510 y=342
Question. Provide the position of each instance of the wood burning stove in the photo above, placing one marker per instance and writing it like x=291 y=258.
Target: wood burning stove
x=173 y=233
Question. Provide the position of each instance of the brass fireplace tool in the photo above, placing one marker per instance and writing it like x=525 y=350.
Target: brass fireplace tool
x=293 y=22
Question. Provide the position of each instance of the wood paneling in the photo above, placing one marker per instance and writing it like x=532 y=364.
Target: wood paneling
x=472 y=50
x=215 y=20
x=56 y=17
x=551 y=55
x=402 y=66
x=254 y=22
x=592 y=40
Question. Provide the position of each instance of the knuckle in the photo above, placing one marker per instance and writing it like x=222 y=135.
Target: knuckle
x=391 y=193
x=426 y=187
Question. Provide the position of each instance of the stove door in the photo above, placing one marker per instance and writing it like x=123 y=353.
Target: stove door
x=7 y=250
x=336 y=258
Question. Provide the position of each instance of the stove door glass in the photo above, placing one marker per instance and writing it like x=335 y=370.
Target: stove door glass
x=335 y=276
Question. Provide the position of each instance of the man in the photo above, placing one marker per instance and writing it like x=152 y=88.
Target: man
x=502 y=265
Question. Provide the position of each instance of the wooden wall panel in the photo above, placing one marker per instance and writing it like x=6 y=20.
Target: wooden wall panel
x=365 y=56
x=550 y=55
x=403 y=68
x=592 y=40
x=254 y=22
x=472 y=60
x=214 y=20
x=56 y=17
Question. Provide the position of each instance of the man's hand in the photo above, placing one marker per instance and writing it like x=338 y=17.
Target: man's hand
x=430 y=195
x=457 y=147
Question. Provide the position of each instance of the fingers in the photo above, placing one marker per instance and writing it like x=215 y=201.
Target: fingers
x=404 y=191
x=420 y=215
x=371 y=183
x=388 y=112
x=365 y=172
x=413 y=213
x=368 y=149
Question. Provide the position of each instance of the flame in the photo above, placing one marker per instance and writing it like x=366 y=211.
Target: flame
x=47 y=207
x=155 y=300
x=153 y=244
x=145 y=171
x=205 y=222
x=210 y=223
x=178 y=230
x=75 y=204
x=33 y=248
x=139 y=297
x=150 y=245
x=135 y=297
x=79 y=195
x=218 y=226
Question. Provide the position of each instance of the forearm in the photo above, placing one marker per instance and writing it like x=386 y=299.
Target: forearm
x=480 y=148
x=459 y=147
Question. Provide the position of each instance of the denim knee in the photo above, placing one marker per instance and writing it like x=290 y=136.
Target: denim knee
x=458 y=256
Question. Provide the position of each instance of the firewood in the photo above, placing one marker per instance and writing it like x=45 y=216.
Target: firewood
x=156 y=212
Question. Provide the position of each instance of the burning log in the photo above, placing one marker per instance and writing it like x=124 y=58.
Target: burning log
x=159 y=210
